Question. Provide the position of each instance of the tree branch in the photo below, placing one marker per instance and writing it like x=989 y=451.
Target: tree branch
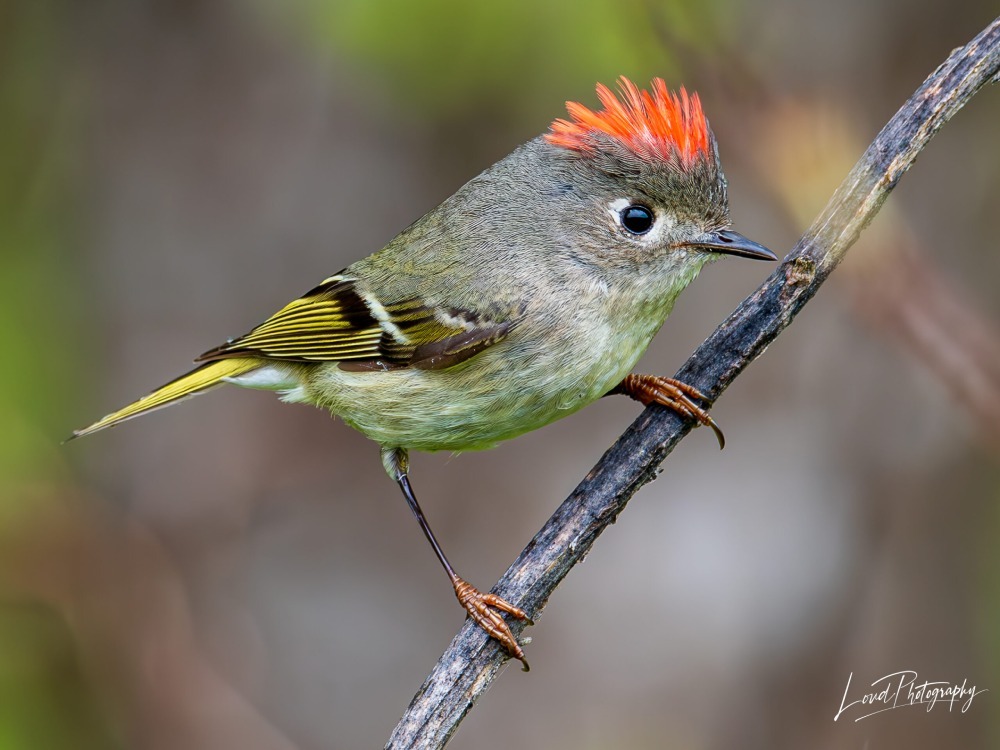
x=472 y=661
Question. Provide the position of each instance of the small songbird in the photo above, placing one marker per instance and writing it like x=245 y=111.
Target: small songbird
x=528 y=294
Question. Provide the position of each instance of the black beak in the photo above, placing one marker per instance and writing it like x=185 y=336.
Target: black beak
x=731 y=243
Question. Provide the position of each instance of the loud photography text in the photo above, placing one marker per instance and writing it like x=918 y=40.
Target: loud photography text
x=902 y=689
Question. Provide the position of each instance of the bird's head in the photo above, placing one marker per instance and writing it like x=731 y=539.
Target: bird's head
x=644 y=172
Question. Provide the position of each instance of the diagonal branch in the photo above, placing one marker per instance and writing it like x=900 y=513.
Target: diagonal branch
x=472 y=661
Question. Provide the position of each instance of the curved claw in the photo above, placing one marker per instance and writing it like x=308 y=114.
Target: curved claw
x=482 y=609
x=675 y=395
x=718 y=432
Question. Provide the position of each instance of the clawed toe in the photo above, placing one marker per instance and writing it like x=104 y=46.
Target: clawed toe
x=483 y=609
x=675 y=395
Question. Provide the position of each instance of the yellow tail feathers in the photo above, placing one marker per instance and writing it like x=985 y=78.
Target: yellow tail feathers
x=194 y=382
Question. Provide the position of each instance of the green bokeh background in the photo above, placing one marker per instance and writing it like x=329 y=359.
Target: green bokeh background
x=457 y=84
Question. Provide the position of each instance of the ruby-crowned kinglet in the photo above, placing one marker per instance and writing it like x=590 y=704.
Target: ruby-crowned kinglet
x=526 y=295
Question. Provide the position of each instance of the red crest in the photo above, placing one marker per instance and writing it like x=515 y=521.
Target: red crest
x=654 y=125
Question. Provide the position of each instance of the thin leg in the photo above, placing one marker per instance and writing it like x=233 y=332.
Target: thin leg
x=482 y=608
x=673 y=394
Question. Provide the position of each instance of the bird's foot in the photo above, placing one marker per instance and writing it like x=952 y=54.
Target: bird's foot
x=676 y=395
x=482 y=608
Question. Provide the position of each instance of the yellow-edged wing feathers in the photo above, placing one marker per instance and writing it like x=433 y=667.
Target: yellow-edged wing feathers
x=335 y=322
x=338 y=322
x=328 y=323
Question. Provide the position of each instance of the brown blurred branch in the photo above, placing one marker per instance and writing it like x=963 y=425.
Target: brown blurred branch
x=799 y=146
x=902 y=294
x=472 y=661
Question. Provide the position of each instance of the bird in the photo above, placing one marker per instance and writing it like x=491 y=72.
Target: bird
x=529 y=293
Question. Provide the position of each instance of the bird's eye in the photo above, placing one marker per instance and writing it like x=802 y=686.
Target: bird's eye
x=637 y=219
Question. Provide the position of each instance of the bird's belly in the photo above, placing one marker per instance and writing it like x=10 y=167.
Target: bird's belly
x=495 y=396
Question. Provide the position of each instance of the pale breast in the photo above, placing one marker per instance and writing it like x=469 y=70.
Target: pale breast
x=530 y=379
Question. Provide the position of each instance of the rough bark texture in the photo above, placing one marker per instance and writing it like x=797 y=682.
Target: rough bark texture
x=472 y=661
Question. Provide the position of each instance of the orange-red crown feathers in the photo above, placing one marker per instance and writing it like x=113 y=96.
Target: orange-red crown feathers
x=659 y=125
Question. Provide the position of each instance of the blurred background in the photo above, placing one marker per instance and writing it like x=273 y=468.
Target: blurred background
x=235 y=572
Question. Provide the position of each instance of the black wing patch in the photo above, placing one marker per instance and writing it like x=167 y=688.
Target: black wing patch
x=334 y=323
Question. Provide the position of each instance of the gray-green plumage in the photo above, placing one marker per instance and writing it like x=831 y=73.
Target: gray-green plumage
x=526 y=295
x=534 y=241
x=527 y=272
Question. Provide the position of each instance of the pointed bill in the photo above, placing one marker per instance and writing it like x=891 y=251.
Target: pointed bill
x=729 y=242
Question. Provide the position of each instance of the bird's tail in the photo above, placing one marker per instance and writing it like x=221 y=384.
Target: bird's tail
x=197 y=381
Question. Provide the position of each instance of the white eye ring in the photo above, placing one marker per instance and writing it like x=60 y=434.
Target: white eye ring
x=624 y=212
